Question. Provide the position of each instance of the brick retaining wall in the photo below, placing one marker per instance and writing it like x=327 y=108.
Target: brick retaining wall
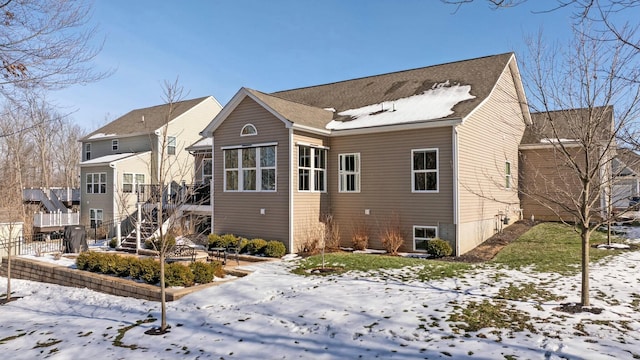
x=28 y=269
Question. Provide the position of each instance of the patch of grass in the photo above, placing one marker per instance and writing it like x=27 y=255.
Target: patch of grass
x=551 y=247
x=479 y=315
x=118 y=340
x=527 y=292
x=49 y=342
x=429 y=269
x=8 y=338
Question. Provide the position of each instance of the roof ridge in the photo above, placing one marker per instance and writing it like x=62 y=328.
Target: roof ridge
x=390 y=73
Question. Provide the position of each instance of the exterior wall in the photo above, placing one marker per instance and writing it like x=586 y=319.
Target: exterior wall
x=309 y=208
x=96 y=201
x=547 y=181
x=386 y=186
x=487 y=139
x=102 y=146
x=126 y=202
x=239 y=212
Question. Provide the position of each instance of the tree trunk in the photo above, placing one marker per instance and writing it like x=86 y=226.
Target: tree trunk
x=585 y=235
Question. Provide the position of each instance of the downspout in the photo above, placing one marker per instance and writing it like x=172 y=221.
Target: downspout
x=211 y=187
x=291 y=169
x=456 y=197
x=115 y=210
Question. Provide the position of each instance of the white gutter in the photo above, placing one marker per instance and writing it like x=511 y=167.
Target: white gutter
x=456 y=188
x=115 y=209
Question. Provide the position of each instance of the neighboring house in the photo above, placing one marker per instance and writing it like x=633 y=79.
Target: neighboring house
x=552 y=147
x=626 y=185
x=435 y=147
x=120 y=158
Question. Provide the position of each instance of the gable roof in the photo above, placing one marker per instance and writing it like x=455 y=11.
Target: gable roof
x=143 y=121
x=439 y=92
x=568 y=124
x=629 y=159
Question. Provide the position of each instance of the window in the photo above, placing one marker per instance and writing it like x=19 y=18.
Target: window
x=422 y=235
x=132 y=182
x=171 y=145
x=424 y=170
x=114 y=145
x=312 y=168
x=349 y=172
x=248 y=130
x=96 y=183
x=250 y=169
x=95 y=217
x=507 y=174
x=207 y=170
x=87 y=151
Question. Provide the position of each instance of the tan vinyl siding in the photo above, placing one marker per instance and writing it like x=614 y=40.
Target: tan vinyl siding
x=309 y=207
x=488 y=139
x=239 y=212
x=139 y=164
x=385 y=184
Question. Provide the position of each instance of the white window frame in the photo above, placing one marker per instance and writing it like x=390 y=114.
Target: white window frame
x=203 y=167
x=248 y=130
x=96 y=182
x=315 y=172
x=343 y=175
x=259 y=168
x=507 y=174
x=96 y=217
x=415 y=227
x=425 y=171
x=115 y=145
x=137 y=179
x=87 y=151
x=172 y=143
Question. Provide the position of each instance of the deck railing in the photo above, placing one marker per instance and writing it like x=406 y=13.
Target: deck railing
x=55 y=219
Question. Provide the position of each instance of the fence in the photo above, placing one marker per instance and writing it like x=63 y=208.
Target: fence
x=55 y=219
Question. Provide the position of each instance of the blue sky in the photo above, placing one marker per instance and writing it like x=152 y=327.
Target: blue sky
x=216 y=47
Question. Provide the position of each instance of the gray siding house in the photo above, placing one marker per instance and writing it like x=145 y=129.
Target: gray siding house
x=435 y=148
x=122 y=156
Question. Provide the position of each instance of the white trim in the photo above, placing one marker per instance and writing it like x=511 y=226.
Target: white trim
x=437 y=171
x=258 y=170
x=312 y=169
x=291 y=191
x=230 y=147
x=358 y=173
x=389 y=128
x=249 y=126
x=546 y=146
x=456 y=189
x=115 y=143
x=115 y=211
x=211 y=185
x=507 y=183
x=301 y=143
x=413 y=235
x=311 y=129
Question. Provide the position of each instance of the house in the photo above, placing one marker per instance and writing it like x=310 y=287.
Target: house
x=626 y=185
x=120 y=159
x=433 y=149
x=553 y=154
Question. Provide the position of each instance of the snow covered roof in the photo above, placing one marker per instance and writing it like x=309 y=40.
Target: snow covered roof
x=108 y=159
x=569 y=125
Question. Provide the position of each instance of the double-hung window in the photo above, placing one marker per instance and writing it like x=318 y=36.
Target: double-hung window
x=87 y=151
x=349 y=172
x=171 y=145
x=250 y=169
x=422 y=235
x=132 y=182
x=115 y=145
x=312 y=169
x=424 y=170
x=507 y=175
x=96 y=183
x=207 y=170
x=95 y=217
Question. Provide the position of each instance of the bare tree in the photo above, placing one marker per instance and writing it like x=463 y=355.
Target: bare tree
x=586 y=97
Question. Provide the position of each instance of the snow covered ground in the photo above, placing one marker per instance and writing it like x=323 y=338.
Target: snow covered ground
x=273 y=314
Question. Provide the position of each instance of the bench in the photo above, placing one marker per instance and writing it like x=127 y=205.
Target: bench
x=181 y=251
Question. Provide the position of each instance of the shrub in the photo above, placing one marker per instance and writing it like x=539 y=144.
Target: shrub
x=202 y=272
x=392 y=237
x=243 y=245
x=256 y=246
x=155 y=244
x=113 y=243
x=331 y=233
x=224 y=241
x=149 y=271
x=124 y=265
x=360 y=235
x=275 y=249
x=439 y=248
x=218 y=270
x=176 y=274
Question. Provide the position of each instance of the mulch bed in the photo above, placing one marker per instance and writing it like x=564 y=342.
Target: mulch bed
x=489 y=248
